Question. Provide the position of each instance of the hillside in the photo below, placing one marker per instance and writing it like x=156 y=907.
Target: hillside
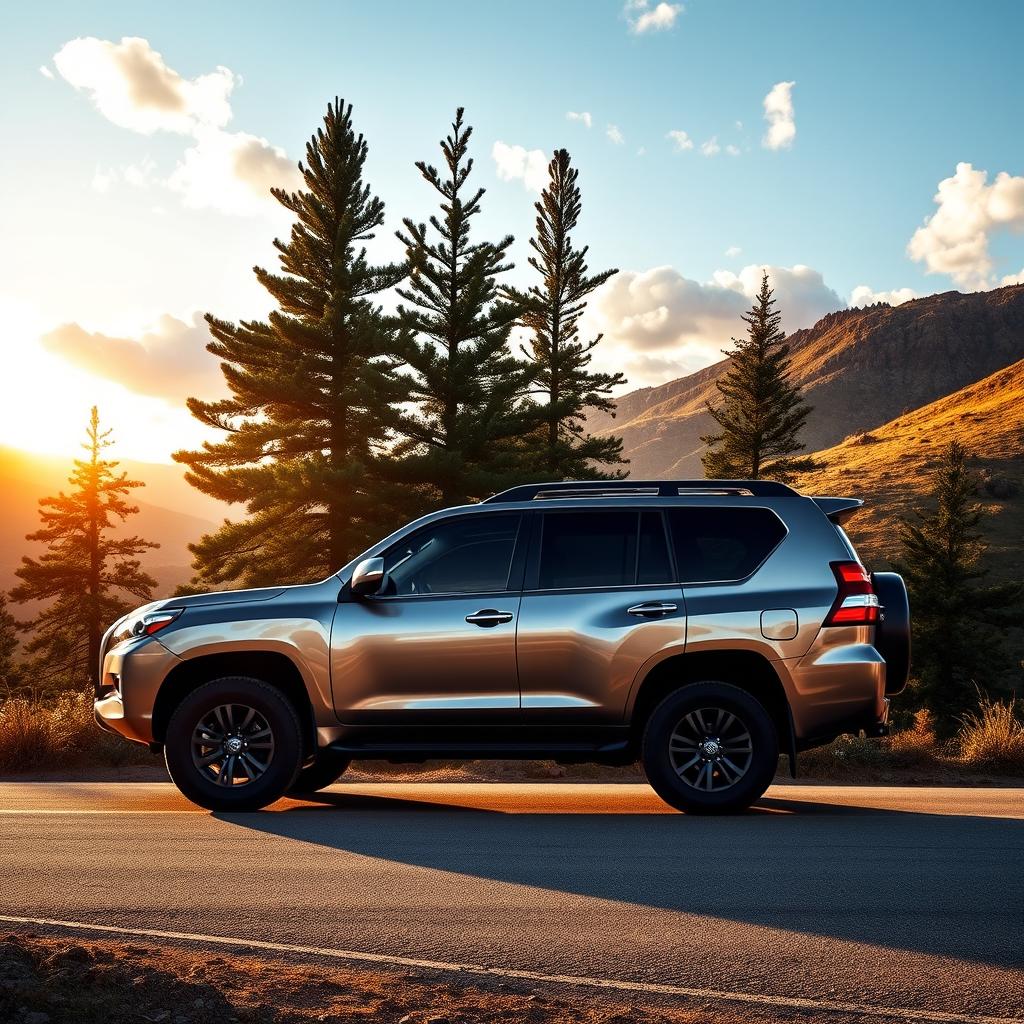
x=26 y=477
x=890 y=467
x=859 y=368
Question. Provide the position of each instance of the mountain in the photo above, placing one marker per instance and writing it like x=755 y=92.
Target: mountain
x=859 y=368
x=890 y=467
x=26 y=477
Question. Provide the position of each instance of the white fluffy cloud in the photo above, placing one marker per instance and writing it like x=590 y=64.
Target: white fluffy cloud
x=1011 y=279
x=955 y=239
x=711 y=147
x=582 y=116
x=733 y=251
x=659 y=324
x=169 y=362
x=863 y=295
x=516 y=163
x=132 y=86
x=778 y=112
x=614 y=135
x=681 y=140
x=642 y=17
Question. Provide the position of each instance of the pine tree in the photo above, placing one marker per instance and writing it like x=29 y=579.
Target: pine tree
x=311 y=387
x=10 y=674
x=762 y=412
x=958 y=648
x=462 y=439
x=85 y=572
x=560 y=361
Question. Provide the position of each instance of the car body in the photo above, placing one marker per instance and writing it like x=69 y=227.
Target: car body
x=548 y=621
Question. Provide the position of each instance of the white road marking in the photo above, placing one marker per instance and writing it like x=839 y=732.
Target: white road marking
x=788 y=1002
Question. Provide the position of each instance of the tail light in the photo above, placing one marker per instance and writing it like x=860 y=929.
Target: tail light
x=856 y=604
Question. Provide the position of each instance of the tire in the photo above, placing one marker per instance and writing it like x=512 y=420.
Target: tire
x=326 y=769
x=736 y=739
x=892 y=634
x=267 y=756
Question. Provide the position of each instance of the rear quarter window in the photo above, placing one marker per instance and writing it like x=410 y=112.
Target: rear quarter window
x=718 y=545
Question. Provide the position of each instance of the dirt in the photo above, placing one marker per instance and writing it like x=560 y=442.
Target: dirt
x=47 y=980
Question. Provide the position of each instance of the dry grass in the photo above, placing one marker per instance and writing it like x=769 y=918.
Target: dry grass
x=44 y=735
x=992 y=739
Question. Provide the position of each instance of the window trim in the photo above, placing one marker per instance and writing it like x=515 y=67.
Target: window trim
x=519 y=549
x=739 y=581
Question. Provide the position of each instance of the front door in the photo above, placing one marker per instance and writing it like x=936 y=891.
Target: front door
x=439 y=644
x=600 y=600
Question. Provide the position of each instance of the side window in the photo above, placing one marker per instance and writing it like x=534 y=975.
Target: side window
x=602 y=548
x=722 y=544
x=468 y=555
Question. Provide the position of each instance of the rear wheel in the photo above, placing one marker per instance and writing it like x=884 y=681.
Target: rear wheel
x=710 y=748
x=234 y=744
x=326 y=769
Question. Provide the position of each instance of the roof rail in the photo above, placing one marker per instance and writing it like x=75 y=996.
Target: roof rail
x=640 y=488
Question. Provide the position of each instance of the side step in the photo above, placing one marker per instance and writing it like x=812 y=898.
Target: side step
x=615 y=753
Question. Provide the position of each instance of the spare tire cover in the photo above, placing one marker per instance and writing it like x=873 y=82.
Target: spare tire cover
x=892 y=636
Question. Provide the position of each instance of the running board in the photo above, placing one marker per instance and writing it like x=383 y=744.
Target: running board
x=421 y=751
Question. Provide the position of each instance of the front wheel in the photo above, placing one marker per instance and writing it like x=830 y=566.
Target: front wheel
x=234 y=744
x=710 y=748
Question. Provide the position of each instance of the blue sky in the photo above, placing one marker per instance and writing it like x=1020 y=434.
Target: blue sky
x=887 y=100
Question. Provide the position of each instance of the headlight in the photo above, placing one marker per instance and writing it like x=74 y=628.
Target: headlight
x=144 y=624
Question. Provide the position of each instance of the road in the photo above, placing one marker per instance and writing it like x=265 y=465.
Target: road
x=884 y=897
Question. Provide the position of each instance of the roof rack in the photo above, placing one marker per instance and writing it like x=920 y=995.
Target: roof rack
x=640 y=489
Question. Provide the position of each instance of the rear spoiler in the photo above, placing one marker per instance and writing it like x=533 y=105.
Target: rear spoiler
x=839 y=510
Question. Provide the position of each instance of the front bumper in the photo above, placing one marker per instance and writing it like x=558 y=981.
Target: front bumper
x=129 y=681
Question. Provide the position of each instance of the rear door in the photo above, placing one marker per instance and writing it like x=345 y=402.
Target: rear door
x=599 y=601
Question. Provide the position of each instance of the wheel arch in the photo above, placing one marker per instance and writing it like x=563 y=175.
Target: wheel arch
x=746 y=669
x=272 y=667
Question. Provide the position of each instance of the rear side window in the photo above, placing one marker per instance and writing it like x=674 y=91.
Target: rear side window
x=722 y=544
x=602 y=548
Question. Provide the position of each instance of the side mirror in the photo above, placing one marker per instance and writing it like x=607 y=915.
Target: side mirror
x=369 y=577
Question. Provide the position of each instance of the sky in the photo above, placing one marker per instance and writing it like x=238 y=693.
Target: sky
x=857 y=152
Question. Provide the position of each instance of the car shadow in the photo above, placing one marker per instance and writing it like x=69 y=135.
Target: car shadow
x=938 y=884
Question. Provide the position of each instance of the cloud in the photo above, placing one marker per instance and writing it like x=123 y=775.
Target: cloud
x=583 y=116
x=659 y=324
x=732 y=150
x=644 y=18
x=955 y=239
x=778 y=112
x=613 y=133
x=1012 y=279
x=733 y=251
x=681 y=139
x=169 y=362
x=45 y=71
x=130 y=85
x=711 y=147
x=232 y=172
x=862 y=295
x=516 y=163
x=138 y=175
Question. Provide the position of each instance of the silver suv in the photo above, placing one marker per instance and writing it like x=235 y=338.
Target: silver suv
x=701 y=626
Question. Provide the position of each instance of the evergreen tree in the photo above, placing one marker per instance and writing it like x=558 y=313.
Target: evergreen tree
x=461 y=440
x=311 y=387
x=85 y=572
x=762 y=412
x=560 y=361
x=10 y=674
x=957 y=643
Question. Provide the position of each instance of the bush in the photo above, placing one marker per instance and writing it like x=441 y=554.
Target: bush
x=993 y=738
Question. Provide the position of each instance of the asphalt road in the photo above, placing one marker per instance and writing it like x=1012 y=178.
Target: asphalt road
x=885 y=897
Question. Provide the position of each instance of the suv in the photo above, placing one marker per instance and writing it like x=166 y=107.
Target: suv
x=700 y=626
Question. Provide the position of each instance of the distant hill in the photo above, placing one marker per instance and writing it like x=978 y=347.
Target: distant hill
x=890 y=467
x=859 y=368
x=171 y=512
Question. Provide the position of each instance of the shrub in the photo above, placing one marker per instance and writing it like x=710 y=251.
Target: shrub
x=993 y=737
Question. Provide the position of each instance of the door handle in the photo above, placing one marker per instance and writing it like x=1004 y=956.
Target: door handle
x=487 y=617
x=651 y=609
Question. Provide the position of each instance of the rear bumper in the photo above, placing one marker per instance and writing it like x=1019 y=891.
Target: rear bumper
x=870 y=724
